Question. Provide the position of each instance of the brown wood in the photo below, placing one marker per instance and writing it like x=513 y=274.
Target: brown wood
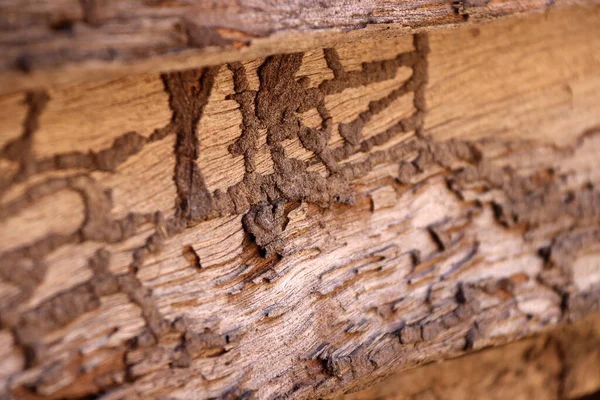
x=561 y=364
x=45 y=43
x=300 y=225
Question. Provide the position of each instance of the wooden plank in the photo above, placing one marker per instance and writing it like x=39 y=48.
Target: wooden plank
x=561 y=364
x=45 y=43
x=302 y=224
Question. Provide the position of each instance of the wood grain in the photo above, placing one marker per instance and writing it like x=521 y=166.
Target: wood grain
x=300 y=225
x=560 y=364
x=49 y=43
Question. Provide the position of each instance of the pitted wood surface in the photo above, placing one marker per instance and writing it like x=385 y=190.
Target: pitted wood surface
x=299 y=225
x=561 y=364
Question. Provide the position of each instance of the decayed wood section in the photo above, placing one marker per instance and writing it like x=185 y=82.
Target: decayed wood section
x=302 y=224
x=562 y=364
x=63 y=41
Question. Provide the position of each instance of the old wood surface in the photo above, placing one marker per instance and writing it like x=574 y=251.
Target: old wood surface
x=62 y=41
x=559 y=365
x=302 y=224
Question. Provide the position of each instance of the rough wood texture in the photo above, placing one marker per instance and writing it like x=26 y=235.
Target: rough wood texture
x=562 y=364
x=59 y=41
x=302 y=224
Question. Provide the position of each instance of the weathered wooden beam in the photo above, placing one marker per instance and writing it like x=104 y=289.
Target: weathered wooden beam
x=301 y=224
x=58 y=42
x=563 y=364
